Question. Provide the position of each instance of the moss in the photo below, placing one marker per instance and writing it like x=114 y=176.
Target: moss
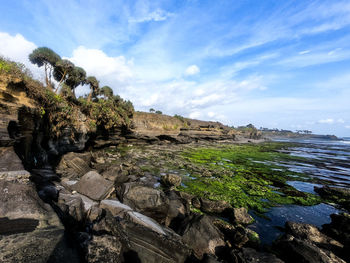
x=246 y=176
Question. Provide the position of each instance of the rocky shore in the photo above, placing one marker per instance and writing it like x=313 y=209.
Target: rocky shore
x=97 y=198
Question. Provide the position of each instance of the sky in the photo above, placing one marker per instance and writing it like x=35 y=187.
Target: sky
x=275 y=64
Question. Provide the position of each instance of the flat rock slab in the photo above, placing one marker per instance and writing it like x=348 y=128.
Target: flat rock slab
x=115 y=207
x=94 y=186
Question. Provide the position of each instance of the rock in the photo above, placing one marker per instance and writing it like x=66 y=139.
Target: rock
x=9 y=160
x=143 y=239
x=94 y=186
x=295 y=250
x=339 y=228
x=241 y=216
x=95 y=213
x=252 y=256
x=202 y=236
x=116 y=173
x=104 y=248
x=115 y=207
x=147 y=200
x=74 y=165
x=87 y=202
x=338 y=195
x=178 y=210
x=25 y=222
x=311 y=233
x=215 y=207
x=237 y=236
x=72 y=207
x=171 y=180
x=196 y=203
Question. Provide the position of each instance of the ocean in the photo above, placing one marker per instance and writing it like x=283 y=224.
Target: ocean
x=327 y=162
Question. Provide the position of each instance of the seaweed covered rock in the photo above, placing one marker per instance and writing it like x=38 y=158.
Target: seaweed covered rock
x=335 y=194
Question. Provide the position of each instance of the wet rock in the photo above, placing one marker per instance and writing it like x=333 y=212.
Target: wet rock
x=94 y=186
x=252 y=256
x=312 y=234
x=339 y=228
x=202 y=236
x=149 y=201
x=170 y=180
x=74 y=165
x=215 y=207
x=335 y=194
x=104 y=248
x=292 y=249
x=241 y=216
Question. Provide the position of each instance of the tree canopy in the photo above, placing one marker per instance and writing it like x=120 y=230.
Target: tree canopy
x=44 y=56
x=107 y=92
x=94 y=87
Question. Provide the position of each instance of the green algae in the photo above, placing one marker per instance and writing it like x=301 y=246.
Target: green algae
x=248 y=176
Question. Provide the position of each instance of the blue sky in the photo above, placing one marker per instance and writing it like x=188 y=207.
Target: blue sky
x=283 y=64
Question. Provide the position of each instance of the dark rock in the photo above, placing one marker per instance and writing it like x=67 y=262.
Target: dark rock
x=252 y=256
x=171 y=180
x=293 y=250
x=115 y=207
x=178 y=210
x=311 y=233
x=338 y=195
x=202 y=236
x=72 y=208
x=94 y=186
x=196 y=203
x=147 y=200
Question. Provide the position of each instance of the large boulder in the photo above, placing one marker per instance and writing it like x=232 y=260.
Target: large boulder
x=202 y=236
x=149 y=201
x=143 y=240
x=94 y=186
x=215 y=206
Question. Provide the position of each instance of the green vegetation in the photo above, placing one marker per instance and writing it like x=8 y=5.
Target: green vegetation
x=63 y=110
x=245 y=175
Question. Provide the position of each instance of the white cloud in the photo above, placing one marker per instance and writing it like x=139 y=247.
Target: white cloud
x=157 y=15
x=326 y=121
x=113 y=71
x=195 y=115
x=17 y=48
x=347 y=126
x=192 y=70
x=304 y=52
x=340 y=121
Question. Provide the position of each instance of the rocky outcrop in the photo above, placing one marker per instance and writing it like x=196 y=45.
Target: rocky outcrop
x=335 y=194
x=305 y=243
x=26 y=221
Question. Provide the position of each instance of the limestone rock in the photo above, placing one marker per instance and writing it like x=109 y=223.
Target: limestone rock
x=94 y=186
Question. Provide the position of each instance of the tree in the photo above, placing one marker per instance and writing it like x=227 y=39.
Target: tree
x=159 y=112
x=46 y=57
x=62 y=69
x=107 y=92
x=76 y=77
x=151 y=110
x=94 y=87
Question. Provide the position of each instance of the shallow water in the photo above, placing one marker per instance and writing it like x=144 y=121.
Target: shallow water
x=327 y=163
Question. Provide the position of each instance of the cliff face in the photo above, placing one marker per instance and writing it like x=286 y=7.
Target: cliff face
x=155 y=127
